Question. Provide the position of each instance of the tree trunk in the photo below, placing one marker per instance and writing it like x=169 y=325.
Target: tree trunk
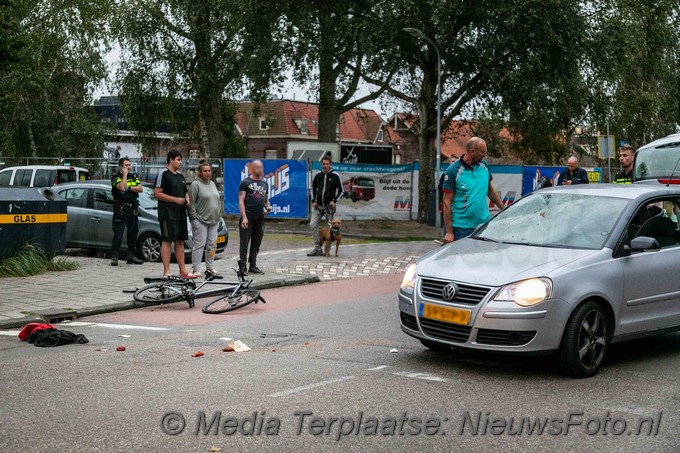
x=427 y=118
x=328 y=109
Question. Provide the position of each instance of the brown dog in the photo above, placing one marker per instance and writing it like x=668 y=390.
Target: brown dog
x=329 y=235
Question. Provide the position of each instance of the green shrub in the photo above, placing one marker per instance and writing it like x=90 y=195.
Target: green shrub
x=33 y=260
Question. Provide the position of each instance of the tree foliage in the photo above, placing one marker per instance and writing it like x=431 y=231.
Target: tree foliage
x=52 y=60
x=205 y=52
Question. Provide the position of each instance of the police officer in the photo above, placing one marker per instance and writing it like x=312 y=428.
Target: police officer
x=626 y=158
x=125 y=188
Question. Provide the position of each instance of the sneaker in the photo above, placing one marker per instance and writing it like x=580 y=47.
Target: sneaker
x=315 y=253
x=114 y=260
x=134 y=260
x=212 y=272
x=255 y=270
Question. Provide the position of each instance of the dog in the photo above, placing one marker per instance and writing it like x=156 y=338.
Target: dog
x=330 y=234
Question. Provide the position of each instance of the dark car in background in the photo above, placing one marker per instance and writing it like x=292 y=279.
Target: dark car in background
x=90 y=213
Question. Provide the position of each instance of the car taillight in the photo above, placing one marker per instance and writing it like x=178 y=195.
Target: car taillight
x=670 y=181
x=56 y=180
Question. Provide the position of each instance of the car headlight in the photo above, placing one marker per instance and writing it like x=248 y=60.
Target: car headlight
x=527 y=292
x=409 y=279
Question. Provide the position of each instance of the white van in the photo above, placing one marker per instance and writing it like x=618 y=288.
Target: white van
x=41 y=175
x=659 y=161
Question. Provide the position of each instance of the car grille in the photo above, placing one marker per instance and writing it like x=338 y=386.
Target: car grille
x=445 y=331
x=409 y=321
x=467 y=294
x=505 y=337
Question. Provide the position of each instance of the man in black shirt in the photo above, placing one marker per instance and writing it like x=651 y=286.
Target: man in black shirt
x=253 y=203
x=173 y=199
x=125 y=188
x=573 y=174
x=326 y=191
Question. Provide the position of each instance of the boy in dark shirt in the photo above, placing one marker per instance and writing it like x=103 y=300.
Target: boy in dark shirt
x=253 y=203
x=173 y=199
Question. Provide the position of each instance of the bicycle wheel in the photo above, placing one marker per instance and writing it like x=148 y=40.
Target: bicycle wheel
x=232 y=301
x=160 y=293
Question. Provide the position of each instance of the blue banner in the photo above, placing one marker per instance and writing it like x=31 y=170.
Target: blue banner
x=287 y=181
x=532 y=175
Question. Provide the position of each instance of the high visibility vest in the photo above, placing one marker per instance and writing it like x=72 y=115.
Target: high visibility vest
x=621 y=178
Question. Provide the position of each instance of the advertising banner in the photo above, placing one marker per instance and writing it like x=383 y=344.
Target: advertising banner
x=507 y=180
x=374 y=191
x=533 y=174
x=287 y=181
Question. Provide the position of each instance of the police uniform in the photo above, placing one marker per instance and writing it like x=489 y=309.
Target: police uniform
x=125 y=216
x=623 y=178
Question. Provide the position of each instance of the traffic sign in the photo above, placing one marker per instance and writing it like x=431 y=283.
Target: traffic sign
x=606 y=148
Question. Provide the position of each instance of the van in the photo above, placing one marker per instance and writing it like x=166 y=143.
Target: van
x=41 y=175
x=658 y=161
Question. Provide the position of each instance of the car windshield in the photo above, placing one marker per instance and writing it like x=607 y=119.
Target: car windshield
x=659 y=162
x=563 y=220
x=147 y=200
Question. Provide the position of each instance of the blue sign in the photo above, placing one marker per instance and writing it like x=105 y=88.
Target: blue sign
x=287 y=181
x=533 y=174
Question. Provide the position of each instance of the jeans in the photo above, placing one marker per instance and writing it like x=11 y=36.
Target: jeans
x=462 y=233
x=317 y=213
x=124 y=216
x=252 y=235
x=205 y=238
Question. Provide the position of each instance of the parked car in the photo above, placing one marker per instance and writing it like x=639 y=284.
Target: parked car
x=564 y=270
x=90 y=212
x=41 y=175
x=359 y=188
x=659 y=161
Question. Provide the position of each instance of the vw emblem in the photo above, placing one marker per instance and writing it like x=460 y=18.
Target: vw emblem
x=449 y=291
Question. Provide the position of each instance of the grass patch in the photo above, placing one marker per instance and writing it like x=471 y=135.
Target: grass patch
x=33 y=260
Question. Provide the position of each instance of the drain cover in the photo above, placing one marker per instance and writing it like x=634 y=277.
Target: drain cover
x=56 y=315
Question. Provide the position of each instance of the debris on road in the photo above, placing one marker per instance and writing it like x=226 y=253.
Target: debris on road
x=124 y=336
x=101 y=350
x=228 y=349
x=226 y=338
x=197 y=354
x=214 y=449
x=239 y=346
x=120 y=348
x=274 y=350
x=393 y=351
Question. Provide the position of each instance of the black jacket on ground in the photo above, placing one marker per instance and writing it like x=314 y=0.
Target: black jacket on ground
x=326 y=187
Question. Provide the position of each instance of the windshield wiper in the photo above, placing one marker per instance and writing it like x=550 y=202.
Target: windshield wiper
x=532 y=244
x=482 y=238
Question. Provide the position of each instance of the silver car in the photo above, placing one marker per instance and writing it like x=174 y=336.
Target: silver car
x=90 y=213
x=566 y=270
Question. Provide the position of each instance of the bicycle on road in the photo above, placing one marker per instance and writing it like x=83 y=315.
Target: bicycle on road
x=228 y=296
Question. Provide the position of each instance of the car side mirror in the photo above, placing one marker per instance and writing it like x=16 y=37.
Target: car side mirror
x=642 y=244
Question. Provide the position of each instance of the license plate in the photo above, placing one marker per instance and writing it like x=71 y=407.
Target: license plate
x=446 y=314
x=221 y=239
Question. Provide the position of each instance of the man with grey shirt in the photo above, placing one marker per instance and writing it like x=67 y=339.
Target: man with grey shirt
x=205 y=211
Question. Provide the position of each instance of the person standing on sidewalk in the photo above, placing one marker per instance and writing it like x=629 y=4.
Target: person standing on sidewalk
x=467 y=184
x=573 y=174
x=626 y=158
x=253 y=203
x=173 y=198
x=125 y=188
x=325 y=193
x=205 y=212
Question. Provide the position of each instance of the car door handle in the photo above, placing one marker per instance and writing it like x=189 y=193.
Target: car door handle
x=95 y=219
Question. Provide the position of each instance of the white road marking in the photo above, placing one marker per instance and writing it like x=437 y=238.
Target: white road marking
x=424 y=376
x=381 y=367
x=128 y=326
x=76 y=324
x=10 y=333
x=309 y=387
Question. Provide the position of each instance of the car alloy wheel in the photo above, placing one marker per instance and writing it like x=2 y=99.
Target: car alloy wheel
x=151 y=248
x=585 y=341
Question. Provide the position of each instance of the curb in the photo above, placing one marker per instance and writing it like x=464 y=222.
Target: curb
x=346 y=235
x=110 y=308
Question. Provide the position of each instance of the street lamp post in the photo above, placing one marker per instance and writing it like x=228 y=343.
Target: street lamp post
x=419 y=34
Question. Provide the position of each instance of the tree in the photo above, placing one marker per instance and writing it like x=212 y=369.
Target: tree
x=323 y=37
x=489 y=50
x=204 y=52
x=52 y=54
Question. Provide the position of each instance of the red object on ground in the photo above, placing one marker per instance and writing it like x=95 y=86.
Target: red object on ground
x=32 y=327
x=120 y=348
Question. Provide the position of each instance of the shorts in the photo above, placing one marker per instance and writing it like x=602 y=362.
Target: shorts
x=174 y=230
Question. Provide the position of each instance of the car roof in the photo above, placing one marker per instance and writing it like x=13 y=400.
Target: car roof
x=47 y=167
x=673 y=138
x=628 y=191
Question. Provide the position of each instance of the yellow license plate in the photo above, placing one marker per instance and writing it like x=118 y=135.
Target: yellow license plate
x=446 y=314
x=221 y=239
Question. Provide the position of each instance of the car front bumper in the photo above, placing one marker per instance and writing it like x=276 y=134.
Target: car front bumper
x=494 y=326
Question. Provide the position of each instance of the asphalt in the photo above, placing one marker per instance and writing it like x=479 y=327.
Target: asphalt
x=324 y=349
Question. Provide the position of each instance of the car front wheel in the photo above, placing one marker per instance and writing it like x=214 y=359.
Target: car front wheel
x=585 y=341
x=149 y=248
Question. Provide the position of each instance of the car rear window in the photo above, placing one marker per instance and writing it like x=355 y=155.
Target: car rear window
x=22 y=178
x=65 y=176
x=44 y=178
x=5 y=177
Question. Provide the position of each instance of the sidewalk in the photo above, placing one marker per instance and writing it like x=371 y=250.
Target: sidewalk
x=97 y=287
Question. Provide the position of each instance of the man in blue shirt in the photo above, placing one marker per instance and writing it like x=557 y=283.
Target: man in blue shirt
x=573 y=174
x=467 y=184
